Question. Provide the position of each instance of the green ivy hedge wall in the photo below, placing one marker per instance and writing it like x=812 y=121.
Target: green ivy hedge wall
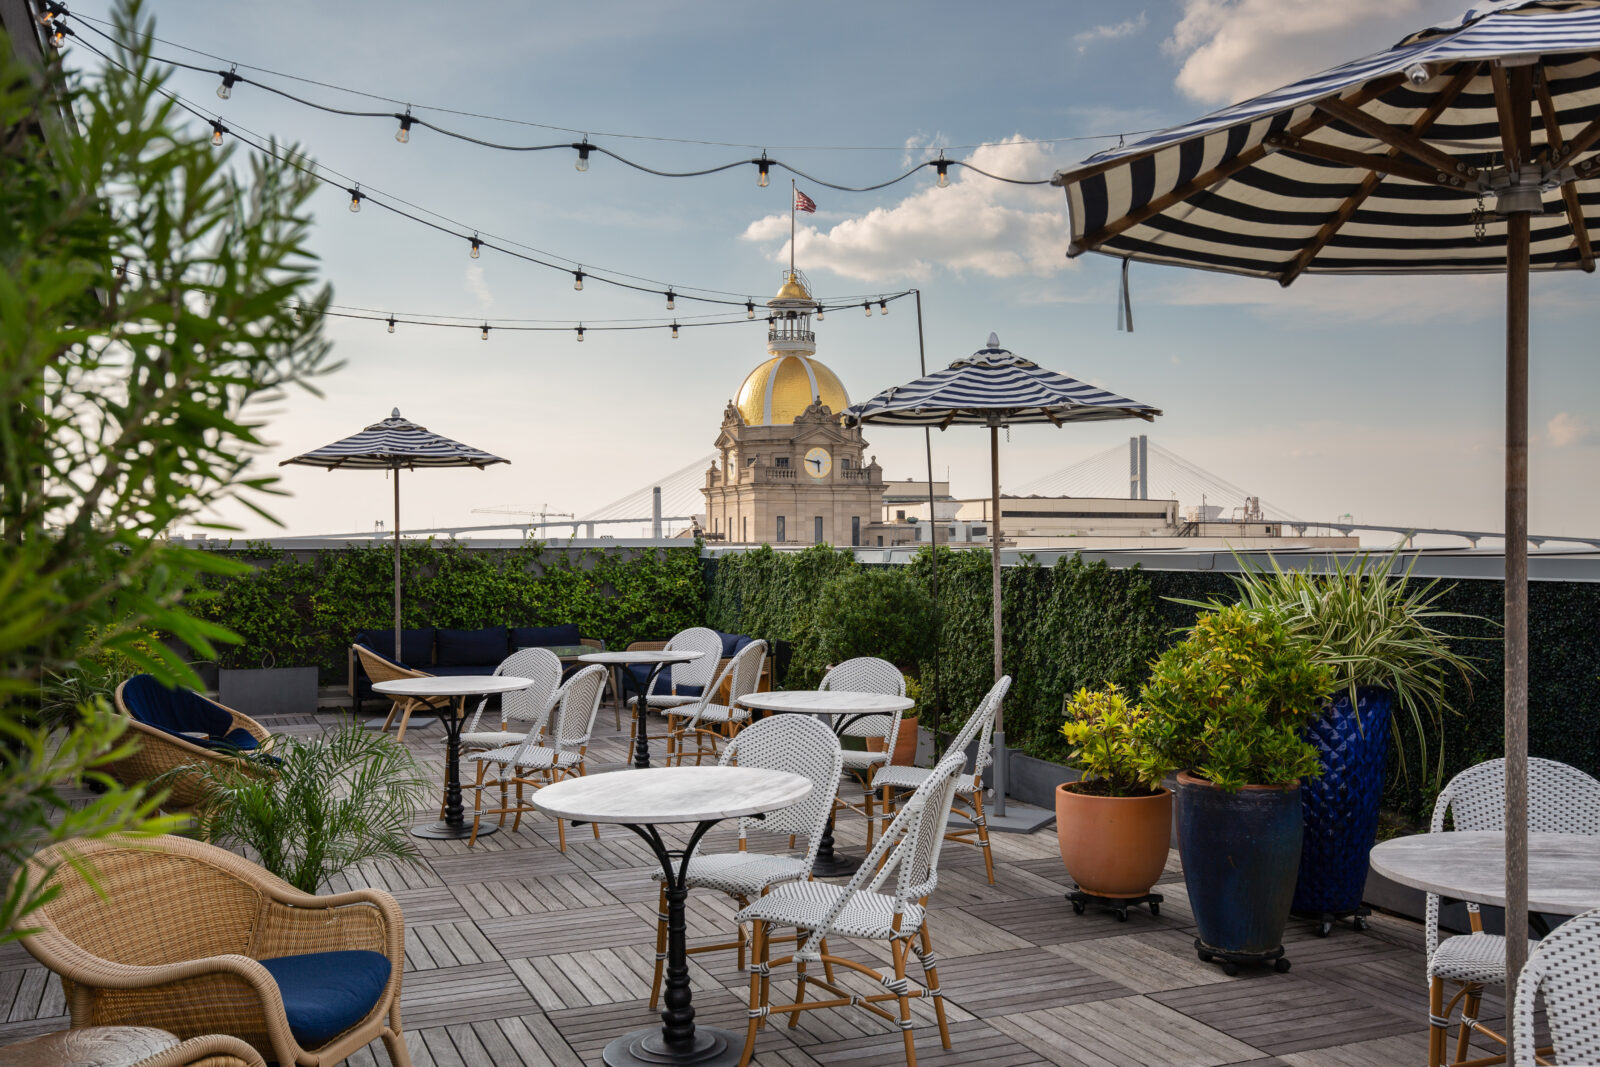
x=294 y=611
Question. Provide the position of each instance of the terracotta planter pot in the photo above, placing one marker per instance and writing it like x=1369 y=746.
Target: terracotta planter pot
x=905 y=743
x=1113 y=846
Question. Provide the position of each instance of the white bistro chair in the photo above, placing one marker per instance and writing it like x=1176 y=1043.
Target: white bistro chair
x=1565 y=968
x=708 y=723
x=523 y=711
x=909 y=850
x=531 y=764
x=795 y=743
x=1561 y=799
x=895 y=780
x=867 y=674
x=697 y=673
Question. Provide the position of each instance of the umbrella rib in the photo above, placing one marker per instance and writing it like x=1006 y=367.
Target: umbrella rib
x=1509 y=142
x=1406 y=142
x=1369 y=184
x=1089 y=242
x=1569 y=191
x=1328 y=153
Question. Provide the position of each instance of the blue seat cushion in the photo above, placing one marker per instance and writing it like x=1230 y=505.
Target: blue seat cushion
x=326 y=993
x=457 y=670
x=485 y=646
x=416 y=646
x=732 y=643
x=238 y=738
x=177 y=711
x=544 y=636
x=634 y=675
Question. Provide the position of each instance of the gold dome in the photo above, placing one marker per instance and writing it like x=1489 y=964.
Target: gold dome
x=784 y=386
x=793 y=290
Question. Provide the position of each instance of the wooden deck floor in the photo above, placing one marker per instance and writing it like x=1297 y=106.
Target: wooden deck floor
x=519 y=955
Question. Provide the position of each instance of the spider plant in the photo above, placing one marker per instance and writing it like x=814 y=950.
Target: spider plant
x=327 y=804
x=1374 y=626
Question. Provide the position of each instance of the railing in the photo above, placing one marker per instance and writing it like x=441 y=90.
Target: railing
x=856 y=474
x=775 y=474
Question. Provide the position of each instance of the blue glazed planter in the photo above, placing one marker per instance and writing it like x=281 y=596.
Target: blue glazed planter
x=1240 y=852
x=1341 y=807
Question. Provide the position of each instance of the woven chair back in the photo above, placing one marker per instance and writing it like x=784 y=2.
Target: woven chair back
x=980 y=724
x=800 y=745
x=700 y=671
x=868 y=674
x=380 y=668
x=744 y=673
x=1561 y=799
x=578 y=705
x=532 y=705
x=1565 y=967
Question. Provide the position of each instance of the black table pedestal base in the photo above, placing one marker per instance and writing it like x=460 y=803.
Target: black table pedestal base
x=831 y=864
x=443 y=831
x=711 y=1047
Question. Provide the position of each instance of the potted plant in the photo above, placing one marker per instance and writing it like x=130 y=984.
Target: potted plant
x=1114 y=825
x=1229 y=704
x=335 y=801
x=1378 y=632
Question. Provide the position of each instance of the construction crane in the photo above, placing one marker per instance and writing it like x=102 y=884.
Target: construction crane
x=544 y=514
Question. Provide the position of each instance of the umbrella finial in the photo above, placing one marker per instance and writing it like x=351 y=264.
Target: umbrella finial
x=994 y=340
x=395 y=413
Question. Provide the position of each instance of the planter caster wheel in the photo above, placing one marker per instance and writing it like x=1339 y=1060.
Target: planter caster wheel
x=1078 y=907
x=1359 y=922
x=1080 y=903
x=1155 y=909
x=1230 y=968
x=1205 y=957
x=1281 y=965
x=1122 y=915
x=1325 y=927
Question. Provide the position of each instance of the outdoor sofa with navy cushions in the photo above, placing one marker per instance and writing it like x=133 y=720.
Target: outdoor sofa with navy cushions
x=445 y=652
x=633 y=678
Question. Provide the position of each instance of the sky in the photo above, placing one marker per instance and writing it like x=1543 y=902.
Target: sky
x=1378 y=398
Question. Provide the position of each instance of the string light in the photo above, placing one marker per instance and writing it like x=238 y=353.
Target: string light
x=217 y=130
x=225 y=90
x=867 y=307
x=476 y=246
x=582 y=165
x=355 y=194
x=942 y=166
x=391 y=324
x=761 y=173
x=403 y=134
x=674 y=331
x=883 y=306
x=580 y=335
x=60 y=32
x=749 y=309
x=485 y=334
x=820 y=310
x=577 y=280
x=46 y=13
x=671 y=300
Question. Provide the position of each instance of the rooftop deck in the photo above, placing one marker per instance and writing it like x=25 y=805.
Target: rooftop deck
x=519 y=955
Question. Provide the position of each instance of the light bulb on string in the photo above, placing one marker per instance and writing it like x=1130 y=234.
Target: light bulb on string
x=403 y=134
x=225 y=90
x=391 y=324
x=943 y=167
x=749 y=309
x=580 y=334
x=476 y=245
x=672 y=302
x=583 y=161
x=820 y=310
x=59 y=34
x=761 y=171
x=217 y=130
x=883 y=306
x=46 y=13
x=355 y=195
x=674 y=331
x=867 y=307
x=577 y=280
x=485 y=334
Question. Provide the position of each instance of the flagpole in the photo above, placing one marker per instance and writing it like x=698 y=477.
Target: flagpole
x=792 y=190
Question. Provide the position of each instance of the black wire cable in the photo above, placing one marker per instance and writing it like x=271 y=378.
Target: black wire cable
x=233 y=77
x=364 y=194
x=571 y=129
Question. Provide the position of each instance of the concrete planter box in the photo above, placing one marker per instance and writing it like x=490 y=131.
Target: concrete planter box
x=269 y=691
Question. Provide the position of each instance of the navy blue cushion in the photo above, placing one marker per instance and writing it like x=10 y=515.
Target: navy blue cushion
x=240 y=739
x=177 y=711
x=326 y=993
x=544 y=636
x=481 y=647
x=633 y=677
x=731 y=643
x=456 y=670
x=416 y=646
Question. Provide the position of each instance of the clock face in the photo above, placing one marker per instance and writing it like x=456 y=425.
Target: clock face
x=818 y=463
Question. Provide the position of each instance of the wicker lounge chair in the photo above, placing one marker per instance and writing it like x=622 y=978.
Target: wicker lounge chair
x=382 y=669
x=158 y=751
x=195 y=940
x=212 y=1050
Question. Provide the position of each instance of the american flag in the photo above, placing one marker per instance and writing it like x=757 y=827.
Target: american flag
x=802 y=202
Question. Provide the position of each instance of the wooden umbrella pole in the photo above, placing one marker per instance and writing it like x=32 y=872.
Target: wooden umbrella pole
x=1516 y=593
x=994 y=542
x=933 y=528
x=396 y=473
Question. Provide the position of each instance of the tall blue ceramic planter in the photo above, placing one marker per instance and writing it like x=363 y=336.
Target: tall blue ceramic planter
x=1341 y=807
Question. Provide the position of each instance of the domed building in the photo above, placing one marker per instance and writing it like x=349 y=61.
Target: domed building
x=788 y=472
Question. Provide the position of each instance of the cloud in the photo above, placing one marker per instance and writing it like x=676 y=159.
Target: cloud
x=1109 y=32
x=975 y=225
x=1566 y=429
x=1232 y=50
x=479 y=285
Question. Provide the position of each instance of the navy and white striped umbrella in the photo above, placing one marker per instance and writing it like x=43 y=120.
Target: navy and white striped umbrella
x=392 y=445
x=994 y=388
x=1469 y=147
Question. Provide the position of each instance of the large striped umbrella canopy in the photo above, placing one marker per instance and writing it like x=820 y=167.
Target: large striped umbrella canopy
x=391 y=445
x=1468 y=147
x=994 y=388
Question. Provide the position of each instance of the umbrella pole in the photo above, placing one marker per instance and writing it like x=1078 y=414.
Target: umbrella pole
x=397 y=565
x=994 y=554
x=933 y=533
x=1516 y=606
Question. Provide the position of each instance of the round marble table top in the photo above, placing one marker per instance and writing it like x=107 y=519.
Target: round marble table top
x=91 y=1046
x=827 y=702
x=672 y=794
x=623 y=659
x=462 y=685
x=1563 y=869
